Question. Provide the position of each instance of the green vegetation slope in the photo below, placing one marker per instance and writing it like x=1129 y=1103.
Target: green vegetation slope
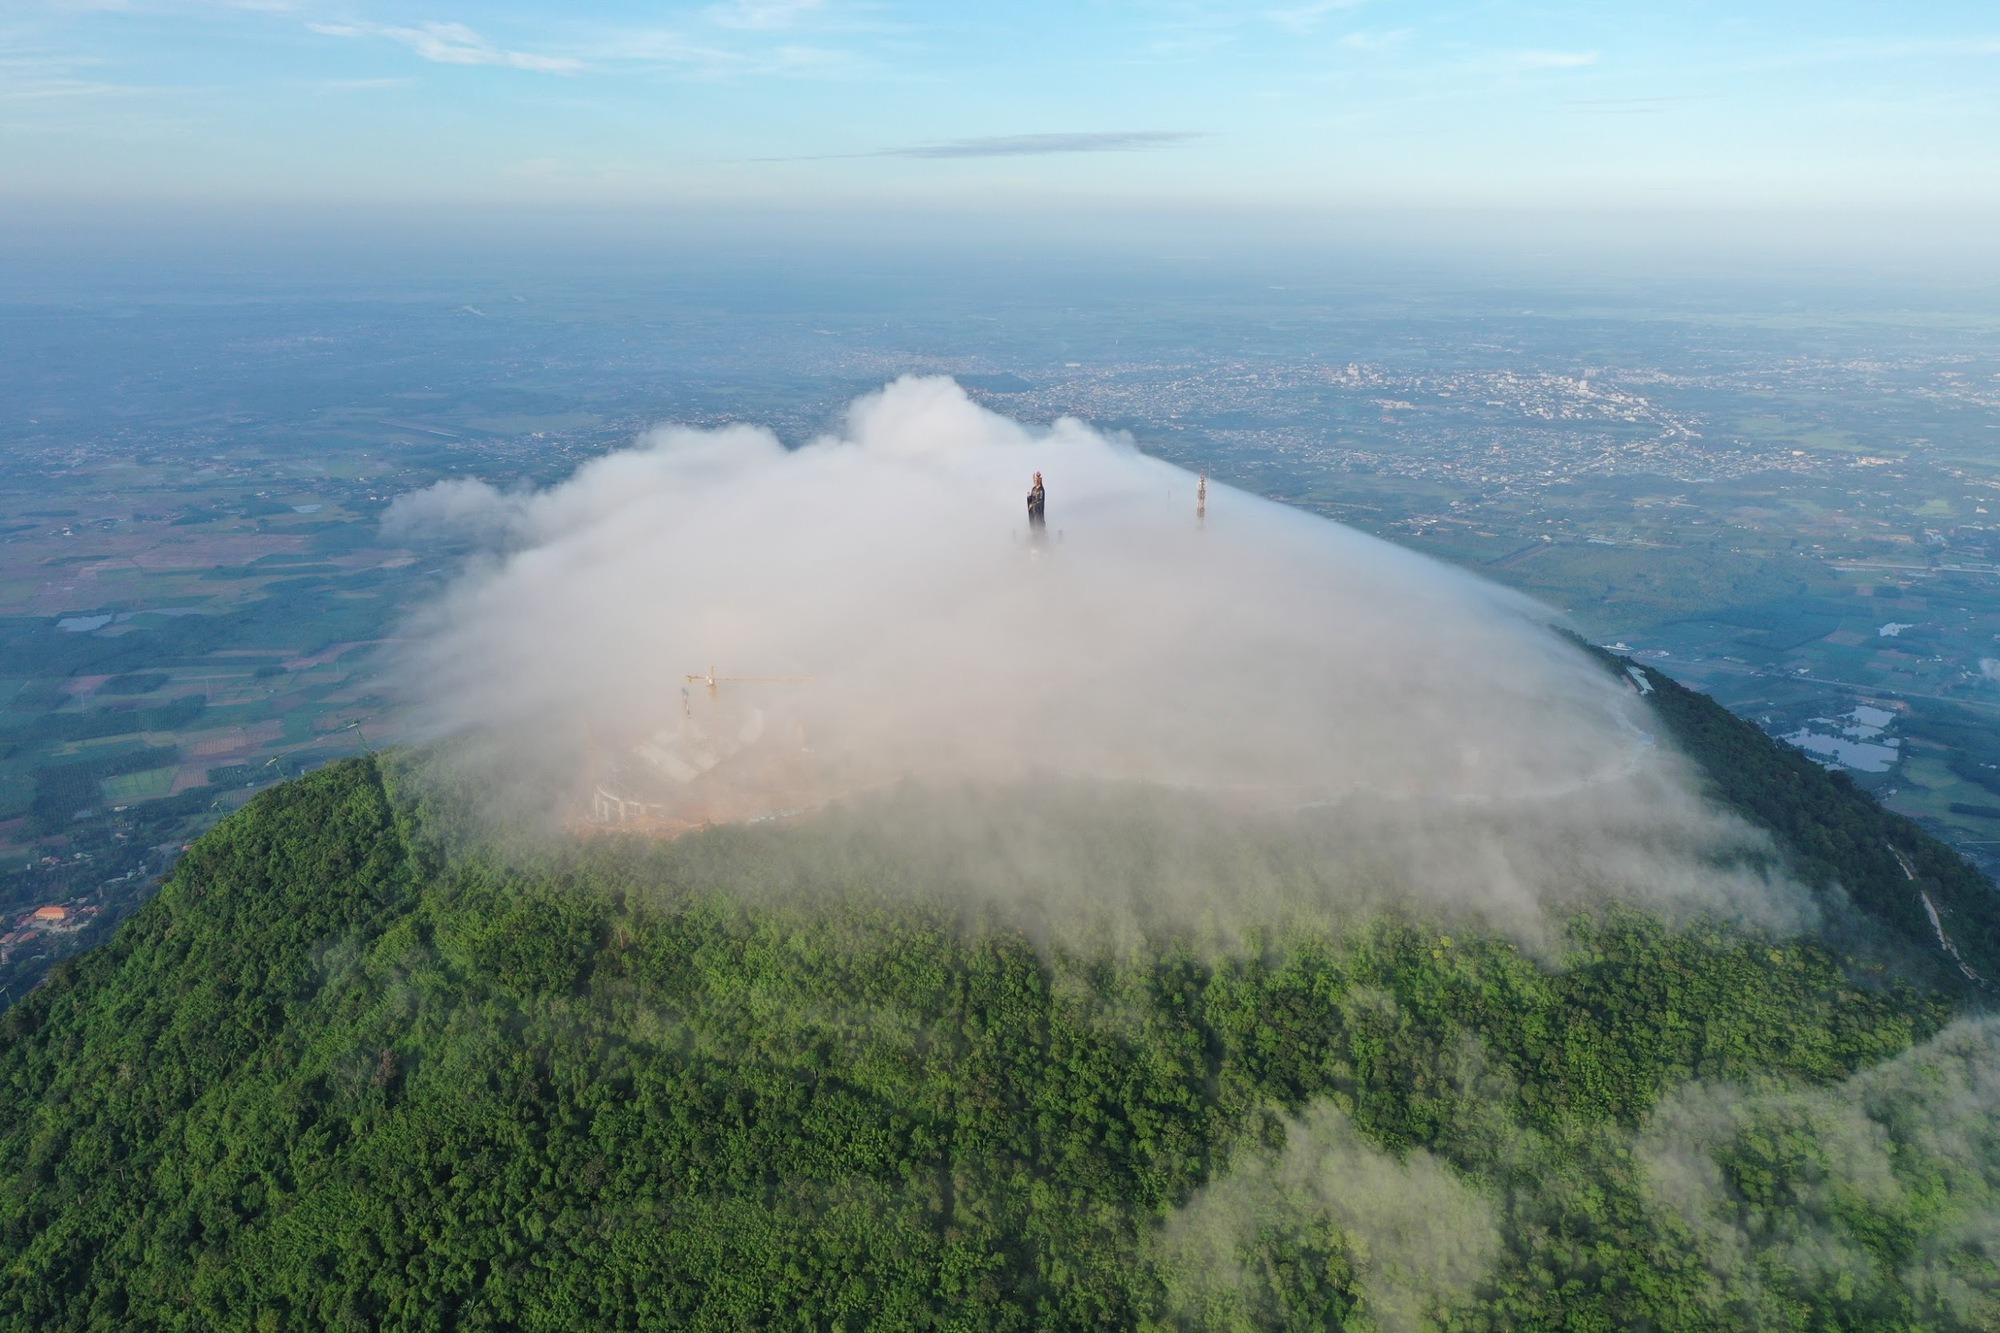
x=1834 y=833
x=331 y=1077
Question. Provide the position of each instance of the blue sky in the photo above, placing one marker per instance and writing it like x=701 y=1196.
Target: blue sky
x=1297 y=104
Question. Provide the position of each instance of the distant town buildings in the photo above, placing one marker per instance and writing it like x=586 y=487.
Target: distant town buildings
x=38 y=923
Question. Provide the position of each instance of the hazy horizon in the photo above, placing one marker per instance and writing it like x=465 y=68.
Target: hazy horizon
x=1741 y=263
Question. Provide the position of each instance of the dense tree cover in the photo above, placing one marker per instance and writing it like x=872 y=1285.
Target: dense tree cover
x=334 y=1077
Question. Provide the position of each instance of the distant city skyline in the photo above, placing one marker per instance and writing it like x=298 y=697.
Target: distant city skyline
x=799 y=104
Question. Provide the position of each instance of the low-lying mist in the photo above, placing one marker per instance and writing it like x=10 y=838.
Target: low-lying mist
x=1884 y=1188
x=712 y=628
x=1873 y=1201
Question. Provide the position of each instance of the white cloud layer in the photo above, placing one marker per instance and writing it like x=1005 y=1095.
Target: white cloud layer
x=1266 y=659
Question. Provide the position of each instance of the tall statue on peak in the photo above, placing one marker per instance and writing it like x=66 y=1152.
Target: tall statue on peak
x=1038 y=501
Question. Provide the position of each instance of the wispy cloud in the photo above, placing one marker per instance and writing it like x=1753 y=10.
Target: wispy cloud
x=762 y=15
x=452 y=44
x=1376 y=41
x=1842 y=52
x=47 y=90
x=1044 y=145
x=666 y=49
x=359 y=85
x=35 y=77
x=659 y=46
x=1627 y=106
x=1304 y=18
x=1525 y=60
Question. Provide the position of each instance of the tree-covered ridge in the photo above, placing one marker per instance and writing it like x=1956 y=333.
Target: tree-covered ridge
x=128 y=1043
x=321 y=1081
x=1833 y=832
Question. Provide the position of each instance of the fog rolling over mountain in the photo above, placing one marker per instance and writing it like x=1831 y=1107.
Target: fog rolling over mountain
x=875 y=608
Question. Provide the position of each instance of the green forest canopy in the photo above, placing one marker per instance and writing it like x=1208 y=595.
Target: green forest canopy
x=337 y=1075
